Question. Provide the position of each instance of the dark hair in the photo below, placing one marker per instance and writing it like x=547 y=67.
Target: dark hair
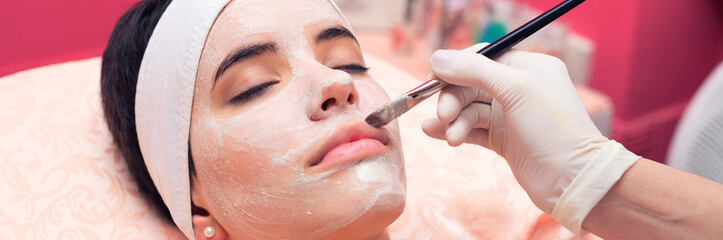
x=118 y=77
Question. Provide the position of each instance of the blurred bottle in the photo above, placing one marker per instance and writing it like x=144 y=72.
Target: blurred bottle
x=500 y=14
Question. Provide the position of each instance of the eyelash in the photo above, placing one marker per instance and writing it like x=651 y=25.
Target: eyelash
x=252 y=93
x=353 y=68
x=260 y=89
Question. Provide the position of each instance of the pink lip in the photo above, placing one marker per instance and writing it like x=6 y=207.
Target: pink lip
x=349 y=143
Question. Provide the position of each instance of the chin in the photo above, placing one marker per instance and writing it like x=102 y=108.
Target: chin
x=379 y=200
x=373 y=222
x=388 y=195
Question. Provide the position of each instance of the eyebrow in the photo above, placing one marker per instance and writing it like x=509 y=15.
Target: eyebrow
x=242 y=54
x=335 y=33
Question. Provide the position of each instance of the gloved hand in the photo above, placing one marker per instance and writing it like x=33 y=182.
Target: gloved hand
x=536 y=122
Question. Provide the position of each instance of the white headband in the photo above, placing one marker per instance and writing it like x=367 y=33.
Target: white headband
x=164 y=96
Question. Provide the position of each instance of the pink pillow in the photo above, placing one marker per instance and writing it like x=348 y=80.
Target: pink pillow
x=61 y=176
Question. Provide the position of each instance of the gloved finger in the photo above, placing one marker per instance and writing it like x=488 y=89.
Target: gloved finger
x=434 y=128
x=479 y=136
x=525 y=60
x=475 y=48
x=474 y=70
x=475 y=115
x=515 y=58
x=453 y=98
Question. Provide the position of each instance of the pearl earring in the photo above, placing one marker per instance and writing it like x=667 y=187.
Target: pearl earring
x=209 y=231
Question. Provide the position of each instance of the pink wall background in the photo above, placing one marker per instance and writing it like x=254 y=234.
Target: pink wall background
x=650 y=58
x=40 y=32
x=651 y=55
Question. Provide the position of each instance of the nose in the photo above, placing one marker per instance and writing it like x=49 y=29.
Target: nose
x=337 y=95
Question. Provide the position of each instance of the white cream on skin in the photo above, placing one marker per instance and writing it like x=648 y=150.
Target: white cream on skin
x=250 y=159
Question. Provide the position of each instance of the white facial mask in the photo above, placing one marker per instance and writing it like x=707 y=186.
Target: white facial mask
x=251 y=164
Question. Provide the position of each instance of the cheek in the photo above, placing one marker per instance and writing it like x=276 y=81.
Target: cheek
x=250 y=151
x=265 y=127
x=260 y=139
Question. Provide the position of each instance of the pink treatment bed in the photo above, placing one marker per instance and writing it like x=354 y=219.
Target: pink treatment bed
x=62 y=177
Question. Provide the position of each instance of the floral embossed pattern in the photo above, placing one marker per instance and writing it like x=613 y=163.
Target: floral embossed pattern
x=61 y=177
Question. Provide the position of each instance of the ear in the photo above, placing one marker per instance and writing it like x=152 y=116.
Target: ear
x=205 y=225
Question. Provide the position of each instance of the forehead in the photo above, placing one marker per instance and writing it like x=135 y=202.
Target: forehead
x=245 y=17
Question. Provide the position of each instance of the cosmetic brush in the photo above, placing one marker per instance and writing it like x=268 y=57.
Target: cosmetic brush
x=401 y=105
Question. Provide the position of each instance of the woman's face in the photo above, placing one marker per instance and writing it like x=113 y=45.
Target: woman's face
x=277 y=135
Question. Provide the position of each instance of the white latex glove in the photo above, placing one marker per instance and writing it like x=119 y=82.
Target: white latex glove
x=536 y=122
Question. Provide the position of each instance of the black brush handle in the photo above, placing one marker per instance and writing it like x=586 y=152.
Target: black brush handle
x=499 y=47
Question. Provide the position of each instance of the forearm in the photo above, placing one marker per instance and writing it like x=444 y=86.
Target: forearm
x=653 y=201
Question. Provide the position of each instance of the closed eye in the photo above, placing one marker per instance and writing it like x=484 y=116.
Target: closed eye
x=252 y=93
x=353 y=68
